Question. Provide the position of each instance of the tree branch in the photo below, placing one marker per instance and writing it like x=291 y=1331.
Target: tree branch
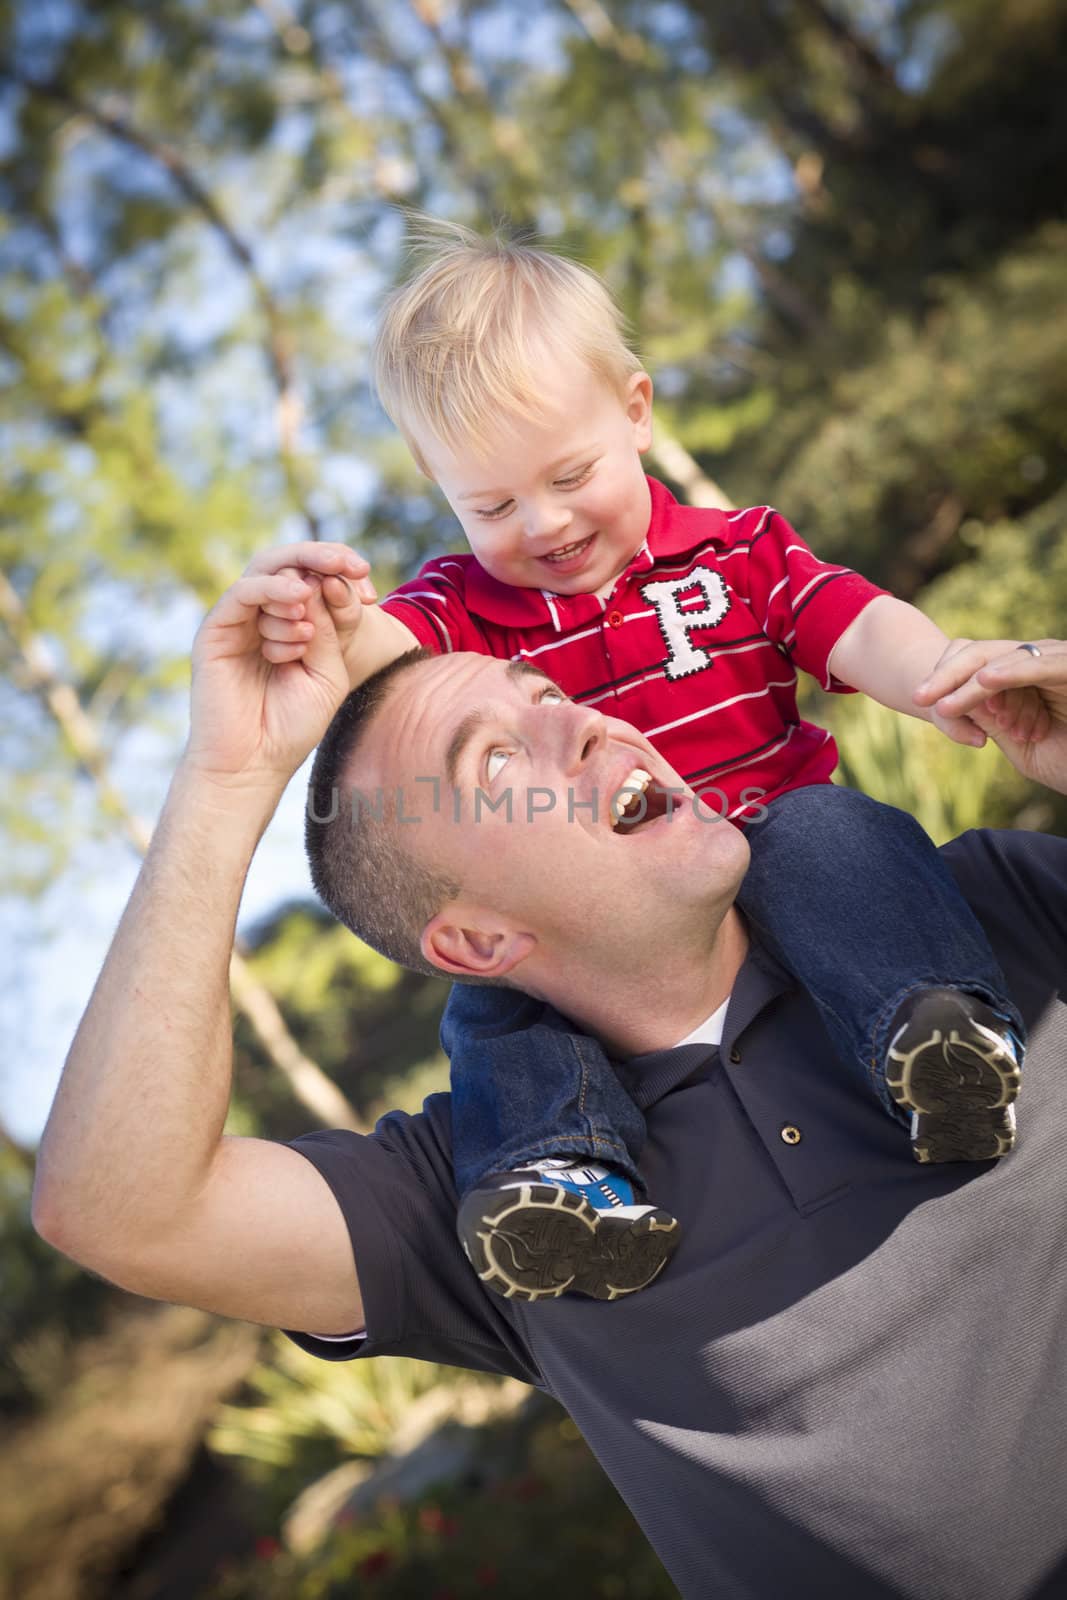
x=278 y=344
x=592 y=18
x=779 y=289
x=470 y=90
x=674 y=460
x=856 y=55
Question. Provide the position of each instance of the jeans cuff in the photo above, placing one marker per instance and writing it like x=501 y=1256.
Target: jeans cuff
x=588 y=1147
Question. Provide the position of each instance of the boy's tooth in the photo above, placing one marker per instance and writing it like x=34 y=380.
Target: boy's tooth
x=565 y=550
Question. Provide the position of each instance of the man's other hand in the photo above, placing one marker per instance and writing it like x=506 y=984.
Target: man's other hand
x=1017 y=698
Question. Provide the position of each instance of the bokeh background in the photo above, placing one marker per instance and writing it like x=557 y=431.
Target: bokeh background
x=837 y=228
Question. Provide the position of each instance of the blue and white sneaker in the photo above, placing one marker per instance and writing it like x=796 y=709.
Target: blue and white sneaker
x=552 y=1229
x=954 y=1064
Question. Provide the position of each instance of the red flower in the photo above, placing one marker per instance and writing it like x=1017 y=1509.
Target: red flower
x=378 y=1561
x=267 y=1548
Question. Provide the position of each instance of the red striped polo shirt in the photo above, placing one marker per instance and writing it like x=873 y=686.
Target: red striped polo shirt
x=697 y=645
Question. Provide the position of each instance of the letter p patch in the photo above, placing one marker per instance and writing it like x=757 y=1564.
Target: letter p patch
x=683 y=656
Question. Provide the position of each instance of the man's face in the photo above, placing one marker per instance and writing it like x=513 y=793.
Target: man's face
x=560 y=503
x=519 y=803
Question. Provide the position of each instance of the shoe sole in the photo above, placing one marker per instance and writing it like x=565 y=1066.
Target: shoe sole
x=537 y=1241
x=959 y=1089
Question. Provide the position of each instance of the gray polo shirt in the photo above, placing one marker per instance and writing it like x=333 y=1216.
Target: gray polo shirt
x=851 y=1381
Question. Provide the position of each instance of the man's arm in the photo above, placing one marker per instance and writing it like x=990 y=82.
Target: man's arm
x=135 y=1179
x=892 y=647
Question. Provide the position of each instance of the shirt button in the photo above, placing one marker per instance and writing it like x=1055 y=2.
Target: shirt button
x=735 y=1055
x=790 y=1134
x=614 y=619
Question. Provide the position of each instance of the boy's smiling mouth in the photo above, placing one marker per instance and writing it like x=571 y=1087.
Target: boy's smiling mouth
x=568 y=552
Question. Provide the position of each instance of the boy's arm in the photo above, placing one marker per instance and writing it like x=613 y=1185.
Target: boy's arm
x=369 y=637
x=891 y=648
x=887 y=651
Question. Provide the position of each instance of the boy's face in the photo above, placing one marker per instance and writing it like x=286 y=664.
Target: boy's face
x=559 y=502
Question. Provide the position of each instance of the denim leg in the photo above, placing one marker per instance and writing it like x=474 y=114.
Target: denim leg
x=525 y=1085
x=853 y=897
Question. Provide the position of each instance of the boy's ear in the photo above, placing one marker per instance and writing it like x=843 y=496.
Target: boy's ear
x=465 y=949
x=638 y=399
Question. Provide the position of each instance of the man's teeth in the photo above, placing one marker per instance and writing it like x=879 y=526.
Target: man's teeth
x=633 y=790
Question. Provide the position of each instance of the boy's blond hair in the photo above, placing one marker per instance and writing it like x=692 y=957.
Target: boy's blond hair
x=467 y=339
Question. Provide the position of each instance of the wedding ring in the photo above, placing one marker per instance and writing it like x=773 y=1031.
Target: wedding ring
x=1030 y=648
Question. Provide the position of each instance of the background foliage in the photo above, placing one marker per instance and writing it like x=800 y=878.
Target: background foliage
x=837 y=227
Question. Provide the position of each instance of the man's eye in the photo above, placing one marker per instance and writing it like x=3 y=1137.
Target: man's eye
x=551 y=697
x=495 y=762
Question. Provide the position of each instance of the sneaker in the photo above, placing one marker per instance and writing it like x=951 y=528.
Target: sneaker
x=954 y=1064
x=553 y=1229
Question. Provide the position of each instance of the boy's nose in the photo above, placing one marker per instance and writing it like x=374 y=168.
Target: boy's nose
x=545 y=522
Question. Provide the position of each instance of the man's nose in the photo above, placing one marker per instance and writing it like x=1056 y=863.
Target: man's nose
x=584 y=733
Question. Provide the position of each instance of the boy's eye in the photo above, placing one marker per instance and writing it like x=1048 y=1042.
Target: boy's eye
x=490 y=513
x=495 y=762
x=551 y=697
x=573 y=479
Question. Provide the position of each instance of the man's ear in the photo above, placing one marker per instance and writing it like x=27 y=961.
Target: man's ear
x=638 y=396
x=465 y=949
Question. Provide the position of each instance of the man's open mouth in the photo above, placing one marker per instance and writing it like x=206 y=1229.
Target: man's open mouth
x=637 y=802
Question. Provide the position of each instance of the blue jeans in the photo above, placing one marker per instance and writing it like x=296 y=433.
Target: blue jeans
x=849 y=895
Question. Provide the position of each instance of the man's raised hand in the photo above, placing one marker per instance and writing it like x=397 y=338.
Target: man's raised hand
x=369 y=636
x=253 y=721
x=346 y=587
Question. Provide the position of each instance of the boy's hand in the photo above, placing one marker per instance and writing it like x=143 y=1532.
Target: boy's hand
x=957 y=688
x=346 y=587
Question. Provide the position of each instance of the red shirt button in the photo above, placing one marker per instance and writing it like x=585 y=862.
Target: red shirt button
x=614 y=619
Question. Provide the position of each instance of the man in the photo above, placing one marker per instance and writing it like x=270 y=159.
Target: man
x=798 y=1405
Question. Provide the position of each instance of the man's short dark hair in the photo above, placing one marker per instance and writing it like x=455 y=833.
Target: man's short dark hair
x=359 y=866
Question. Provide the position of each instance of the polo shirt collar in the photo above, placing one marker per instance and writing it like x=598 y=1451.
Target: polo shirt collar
x=672 y=530
x=648 y=1078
